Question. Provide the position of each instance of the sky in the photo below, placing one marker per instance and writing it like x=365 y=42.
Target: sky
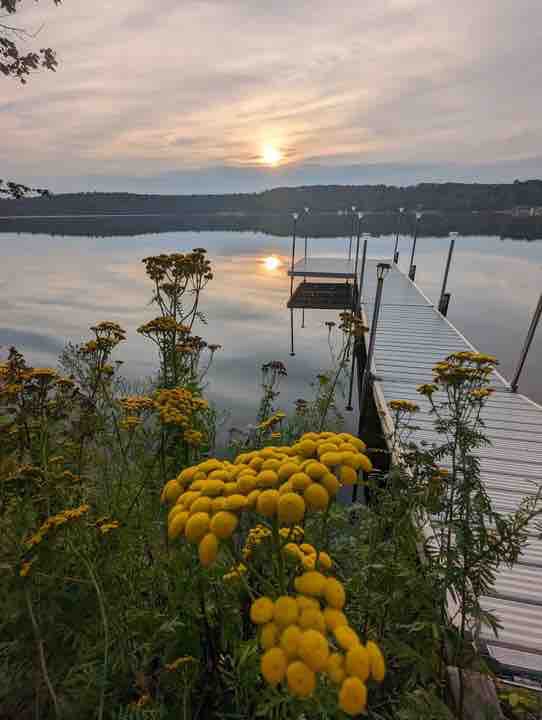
x=184 y=95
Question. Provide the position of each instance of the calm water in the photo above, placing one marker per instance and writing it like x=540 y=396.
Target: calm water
x=54 y=287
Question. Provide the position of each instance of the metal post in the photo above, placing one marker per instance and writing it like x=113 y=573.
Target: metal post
x=412 y=268
x=351 y=233
x=363 y=264
x=442 y=304
x=351 y=387
x=527 y=345
x=382 y=270
x=292 y=353
x=396 y=250
x=305 y=277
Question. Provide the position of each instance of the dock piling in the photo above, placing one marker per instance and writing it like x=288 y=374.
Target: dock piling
x=412 y=268
x=444 y=299
x=527 y=344
x=396 y=248
x=382 y=270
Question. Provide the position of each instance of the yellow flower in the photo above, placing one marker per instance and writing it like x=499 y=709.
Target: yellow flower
x=171 y=491
x=307 y=448
x=304 y=602
x=291 y=508
x=335 y=668
x=376 y=661
x=235 y=502
x=177 y=523
x=197 y=526
x=273 y=665
x=267 y=503
x=324 y=561
x=252 y=498
x=208 y=549
x=267 y=478
x=299 y=481
x=312 y=619
x=347 y=475
x=365 y=464
x=316 y=497
x=310 y=583
x=289 y=641
x=269 y=635
x=331 y=484
x=212 y=487
x=353 y=696
x=286 y=611
x=357 y=662
x=313 y=649
x=334 y=593
x=261 y=611
x=301 y=679
x=331 y=458
x=346 y=637
x=202 y=504
x=25 y=568
x=223 y=524
x=292 y=549
x=316 y=470
x=333 y=618
x=286 y=470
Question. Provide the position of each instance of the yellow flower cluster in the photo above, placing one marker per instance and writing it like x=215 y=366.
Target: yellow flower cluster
x=194 y=438
x=352 y=324
x=134 y=407
x=105 y=524
x=308 y=634
x=55 y=521
x=177 y=406
x=271 y=421
x=282 y=482
x=403 y=406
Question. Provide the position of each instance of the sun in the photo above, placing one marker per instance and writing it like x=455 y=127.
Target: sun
x=271 y=263
x=271 y=155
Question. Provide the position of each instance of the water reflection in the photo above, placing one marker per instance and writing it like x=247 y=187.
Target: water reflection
x=53 y=288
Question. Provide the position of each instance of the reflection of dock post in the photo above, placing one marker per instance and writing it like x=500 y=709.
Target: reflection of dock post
x=396 y=248
x=412 y=268
x=292 y=353
x=305 y=277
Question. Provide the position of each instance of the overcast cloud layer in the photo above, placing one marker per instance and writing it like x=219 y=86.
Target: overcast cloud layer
x=171 y=95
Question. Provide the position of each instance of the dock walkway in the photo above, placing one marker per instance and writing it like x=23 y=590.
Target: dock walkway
x=411 y=337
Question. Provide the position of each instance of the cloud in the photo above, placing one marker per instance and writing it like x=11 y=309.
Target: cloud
x=146 y=89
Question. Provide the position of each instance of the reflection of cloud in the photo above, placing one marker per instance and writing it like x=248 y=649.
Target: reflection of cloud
x=27 y=341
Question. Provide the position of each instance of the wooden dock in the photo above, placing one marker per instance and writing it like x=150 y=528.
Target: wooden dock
x=411 y=337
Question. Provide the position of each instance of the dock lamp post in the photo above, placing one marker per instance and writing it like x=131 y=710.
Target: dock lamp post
x=355 y=308
x=306 y=210
x=351 y=232
x=412 y=268
x=295 y=217
x=526 y=345
x=444 y=299
x=396 y=249
x=382 y=270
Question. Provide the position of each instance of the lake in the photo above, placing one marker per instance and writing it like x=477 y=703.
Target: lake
x=55 y=287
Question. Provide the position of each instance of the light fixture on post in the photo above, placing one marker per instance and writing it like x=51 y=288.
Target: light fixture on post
x=382 y=269
x=396 y=249
x=412 y=268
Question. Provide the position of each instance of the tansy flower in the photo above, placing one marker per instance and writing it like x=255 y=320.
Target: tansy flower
x=333 y=618
x=334 y=593
x=285 y=611
x=316 y=497
x=261 y=610
x=269 y=635
x=273 y=665
x=208 y=549
x=346 y=637
x=310 y=583
x=357 y=662
x=312 y=619
x=289 y=640
x=376 y=661
x=197 y=526
x=353 y=696
x=313 y=649
x=301 y=679
x=223 y=524
x=267 y=503
x=291 y=508
x=335 y=668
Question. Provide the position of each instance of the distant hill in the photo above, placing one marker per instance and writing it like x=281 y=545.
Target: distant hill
x=438 y=197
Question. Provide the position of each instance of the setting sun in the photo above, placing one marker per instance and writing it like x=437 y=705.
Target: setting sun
x=271 y=155
x=271 y=263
